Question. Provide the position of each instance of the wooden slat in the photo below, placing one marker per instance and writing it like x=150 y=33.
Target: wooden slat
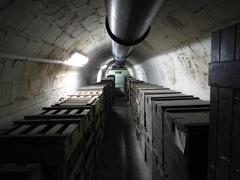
x=64 y=111
x=67 y=107
x=235 y=154
x=54 y=116
x=225 y=74
x=37 y=130
x=70 y=128
x=49 y=121
x=49 y=112
x=227 y=52
x=215 y=45
x=91 y=100
x=55 y=129
x=74 y=111
x=20 y=130
x=238 y=42
x=213 y=126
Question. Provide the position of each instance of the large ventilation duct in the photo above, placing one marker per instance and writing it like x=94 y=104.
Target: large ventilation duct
x=128 y=23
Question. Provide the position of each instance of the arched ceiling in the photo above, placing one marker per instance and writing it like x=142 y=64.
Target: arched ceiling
x=51 y=28
x=54 y=28
x=175 y=54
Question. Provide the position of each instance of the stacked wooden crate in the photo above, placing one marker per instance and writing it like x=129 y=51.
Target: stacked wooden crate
x=64 y=138
x=113 y=79
x=127 y=86
x=172 y=129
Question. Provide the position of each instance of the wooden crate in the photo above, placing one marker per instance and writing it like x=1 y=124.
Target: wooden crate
x=224 y=144
x=112 y=77
x=127 y=87
x=85 y=115
x=94 y=104
x=148 y=126
x=21 y=172
x=56 y=144
x=151 y=96
x=134 y=85
x=126 y=83
x=186 y=143
x=158 y=110
x=141 y=100
x=131 y=85
x=137 y=86
x=109 y=98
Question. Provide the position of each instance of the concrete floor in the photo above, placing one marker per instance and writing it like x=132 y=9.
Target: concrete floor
x=121 y=157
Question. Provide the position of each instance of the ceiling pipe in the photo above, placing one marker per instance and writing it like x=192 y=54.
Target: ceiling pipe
x=128 y=22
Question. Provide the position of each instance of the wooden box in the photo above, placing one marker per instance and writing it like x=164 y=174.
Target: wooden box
x=186 y=143
x=158 y=110
x=55 y=144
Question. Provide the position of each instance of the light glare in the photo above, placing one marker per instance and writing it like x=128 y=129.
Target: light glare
x=104 y=67
x=77 y=60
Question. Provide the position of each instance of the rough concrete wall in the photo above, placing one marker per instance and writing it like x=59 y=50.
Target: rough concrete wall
x=184 y=69
x=27 y=86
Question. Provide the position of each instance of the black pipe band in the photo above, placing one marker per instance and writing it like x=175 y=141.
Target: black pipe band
x=125 y=43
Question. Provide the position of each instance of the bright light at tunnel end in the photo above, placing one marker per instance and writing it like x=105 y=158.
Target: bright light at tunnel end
x=77 y=60
x=104 y=67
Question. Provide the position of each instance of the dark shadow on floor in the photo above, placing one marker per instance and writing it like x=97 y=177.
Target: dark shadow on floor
x=121 y=157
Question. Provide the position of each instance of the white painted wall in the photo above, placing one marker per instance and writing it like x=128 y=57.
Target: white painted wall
x=25 y=87
x=183 y=69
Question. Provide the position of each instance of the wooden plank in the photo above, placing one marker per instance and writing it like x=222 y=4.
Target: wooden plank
x=49 y=112
x=238 y=42
x=55 y=129
x=20 y=130
x=235 y=148
x=235 y=164
x=91 y=100
x=54 y=107
x=225 y=114
x=54 y=116
x=227 y=52
x=49 y=121
x=214 y=98
x=70 y=128
x=215 y=46
x=37 y=130
x=224 y=74
x=213 y=126
x=74 y=111
x=64 y=111
x=224 y=133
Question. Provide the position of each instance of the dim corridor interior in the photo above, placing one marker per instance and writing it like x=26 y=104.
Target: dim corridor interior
x=120 y=156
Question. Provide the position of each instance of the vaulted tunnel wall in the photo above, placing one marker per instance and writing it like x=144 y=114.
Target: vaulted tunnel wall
x=175 y=54
x=25 y=87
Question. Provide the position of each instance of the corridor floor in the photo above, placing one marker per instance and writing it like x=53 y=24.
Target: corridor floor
x=121 y=157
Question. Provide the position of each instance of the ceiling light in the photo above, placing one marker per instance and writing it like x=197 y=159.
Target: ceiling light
x=76 y=59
